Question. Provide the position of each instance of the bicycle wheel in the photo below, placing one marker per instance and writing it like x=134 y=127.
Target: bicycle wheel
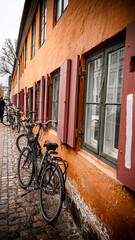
x=13 y=123
x=25 y=168
x=21 y=142
x=52 y=192
x=6 y=120
x=18 y=126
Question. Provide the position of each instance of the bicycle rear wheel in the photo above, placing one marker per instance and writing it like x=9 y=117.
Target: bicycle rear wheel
x=6 y=120
x=52 y=192
x=25 y=168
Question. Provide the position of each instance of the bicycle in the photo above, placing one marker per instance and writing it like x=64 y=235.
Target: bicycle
x=50 y=179
x=23 y=139
x=17 y=121
x=8 y=116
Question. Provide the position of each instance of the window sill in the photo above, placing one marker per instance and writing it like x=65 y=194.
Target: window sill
x=53 y=132
x=101 y=166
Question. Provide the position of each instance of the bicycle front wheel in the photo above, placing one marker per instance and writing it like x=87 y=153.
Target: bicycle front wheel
x=52 y=192
x=21 y=142
x=13 y=123
x=6 y=120
x=25 y=168
x=18 y=126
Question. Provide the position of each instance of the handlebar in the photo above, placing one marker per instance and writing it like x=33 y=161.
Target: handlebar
x=40 y=124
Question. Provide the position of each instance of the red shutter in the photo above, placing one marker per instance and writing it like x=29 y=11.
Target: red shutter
x=73 y=99
x=42 y=83
x=63 y=100
x=19 y=100
x=22 y=100
x=16 y=99
x=126 y=152
x=46 y=98
x=25 y=101
x=34 y=100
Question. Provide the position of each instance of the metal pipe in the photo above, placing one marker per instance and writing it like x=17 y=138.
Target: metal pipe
x=18 y=74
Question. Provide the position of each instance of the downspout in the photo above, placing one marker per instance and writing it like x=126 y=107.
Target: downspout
x=18 y=69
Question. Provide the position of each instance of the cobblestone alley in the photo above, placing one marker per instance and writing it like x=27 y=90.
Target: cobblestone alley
x=20 y=217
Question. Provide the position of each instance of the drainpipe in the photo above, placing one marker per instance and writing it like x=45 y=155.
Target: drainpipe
x=18 y=69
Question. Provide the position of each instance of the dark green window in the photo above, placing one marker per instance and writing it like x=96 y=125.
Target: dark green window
x=61 y=6
x=43 y=9
x=55 y=98
x=103 y=90
x=33 y=37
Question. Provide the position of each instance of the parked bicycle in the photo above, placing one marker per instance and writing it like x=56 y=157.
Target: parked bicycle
x=17 y=121
x=23 y=139
x=8 y=116
x=50 y=179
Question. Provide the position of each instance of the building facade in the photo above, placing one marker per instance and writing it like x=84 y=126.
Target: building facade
x=76 y=65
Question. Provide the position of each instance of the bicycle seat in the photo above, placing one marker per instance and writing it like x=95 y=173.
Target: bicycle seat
x=29 y=125
x=50 y=145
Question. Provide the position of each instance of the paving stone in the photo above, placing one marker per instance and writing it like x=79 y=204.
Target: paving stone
x=20 y=217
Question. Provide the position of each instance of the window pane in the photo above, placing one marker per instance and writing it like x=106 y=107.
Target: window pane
x=31 y=100
x=111 y=131
x=55 y=99
x=94 y=80
x=38 y=101
x=115 y=76
x=33 y=37
x=58 y=9
x=92 y=124
x=65 y=4
x=25 y=52
x=43 y=21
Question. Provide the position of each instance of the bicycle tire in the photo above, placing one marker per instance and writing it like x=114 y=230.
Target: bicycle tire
x=52 y=192
x=22 y=141
x=13 y=123
x=25 y=168
x=6 y=120
x=18 y=126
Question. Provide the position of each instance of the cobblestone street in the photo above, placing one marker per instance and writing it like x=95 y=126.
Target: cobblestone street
x=20 y=217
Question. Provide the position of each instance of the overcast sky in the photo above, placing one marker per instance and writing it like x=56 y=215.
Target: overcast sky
x=10 y=17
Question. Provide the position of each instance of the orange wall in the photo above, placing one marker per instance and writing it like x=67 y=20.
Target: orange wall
x=15 y=84
x=84 y=25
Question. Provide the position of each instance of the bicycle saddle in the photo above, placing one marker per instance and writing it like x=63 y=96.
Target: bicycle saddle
x=29 y=125
x=50 y=145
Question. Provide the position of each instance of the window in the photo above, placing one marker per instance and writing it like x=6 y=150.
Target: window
x=33 y=37
x=61 y=6
x=103 y=102
x=25 y=52
x=55 y=98
x=38 y=100
x=31 y=100
x=21 y=65
x=43 y=21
